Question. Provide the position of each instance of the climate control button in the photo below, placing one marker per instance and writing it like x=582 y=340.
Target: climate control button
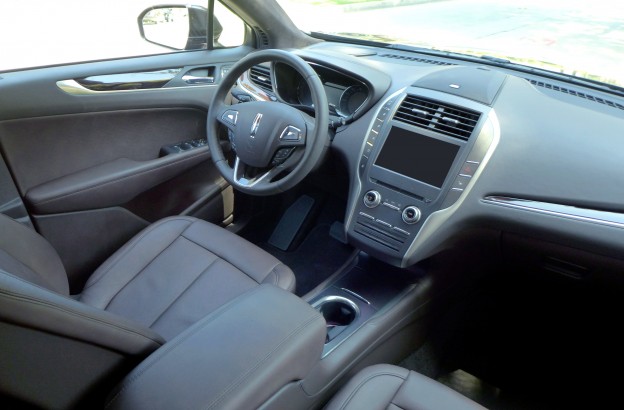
x=372 y=199
x=410 y=215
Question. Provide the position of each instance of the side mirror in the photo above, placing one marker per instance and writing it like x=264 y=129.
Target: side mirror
x=177 y=27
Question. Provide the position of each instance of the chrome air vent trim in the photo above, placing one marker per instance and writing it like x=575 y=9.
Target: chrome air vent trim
x=444 y=118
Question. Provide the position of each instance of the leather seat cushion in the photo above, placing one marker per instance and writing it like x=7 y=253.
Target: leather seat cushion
x=177 y=271
x=391 y=387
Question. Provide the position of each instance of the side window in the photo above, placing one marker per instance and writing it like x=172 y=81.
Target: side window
x=233 y=28
x=72 y=31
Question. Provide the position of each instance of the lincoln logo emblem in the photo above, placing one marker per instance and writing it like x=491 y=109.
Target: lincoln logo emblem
x=255 y=125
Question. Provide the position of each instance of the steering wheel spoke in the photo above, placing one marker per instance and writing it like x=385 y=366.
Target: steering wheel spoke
x=243 y=180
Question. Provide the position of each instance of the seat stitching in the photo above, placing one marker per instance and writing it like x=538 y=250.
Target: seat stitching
x=363 y=382
x=226 y=260
x=130 y=247
x=154 y=358
x=19 y=296
x=136 y=275
x=183 y=292
x=249 y=371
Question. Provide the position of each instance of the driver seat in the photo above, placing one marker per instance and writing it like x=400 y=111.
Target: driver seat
x=167 y=277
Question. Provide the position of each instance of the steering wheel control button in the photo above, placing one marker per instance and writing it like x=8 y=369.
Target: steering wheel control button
x=411 y=215
x=230 y=116
x=281 y=155
x=291 y=133
x=372 y=199
x=469 y=169
x=461 y=182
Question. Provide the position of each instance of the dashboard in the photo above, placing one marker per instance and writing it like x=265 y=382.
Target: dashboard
x=435 y=146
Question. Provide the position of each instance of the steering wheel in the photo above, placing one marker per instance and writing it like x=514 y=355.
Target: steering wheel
x=271 y=139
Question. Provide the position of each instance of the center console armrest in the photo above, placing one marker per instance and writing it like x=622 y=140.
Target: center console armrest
x=236 y=357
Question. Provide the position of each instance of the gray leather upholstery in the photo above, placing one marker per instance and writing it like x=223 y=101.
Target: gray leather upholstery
x=178 y=270
x=28 y=255
x=394 y=388
x=235 y=358
x=57 y=351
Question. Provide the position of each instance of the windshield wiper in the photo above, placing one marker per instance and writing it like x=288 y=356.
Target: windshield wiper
x=351 y=40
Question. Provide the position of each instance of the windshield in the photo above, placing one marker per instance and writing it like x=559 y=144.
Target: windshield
x=584 y=38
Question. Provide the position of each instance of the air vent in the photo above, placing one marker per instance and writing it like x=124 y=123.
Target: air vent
x=263 y=38
x=575 y=93
x=261 y=76
x=417 y=59
x=444 y=118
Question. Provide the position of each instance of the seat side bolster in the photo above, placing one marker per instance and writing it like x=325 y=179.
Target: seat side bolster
x=422 y=393
x=373 y=388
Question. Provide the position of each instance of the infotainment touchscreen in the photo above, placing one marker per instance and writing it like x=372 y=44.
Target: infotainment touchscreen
x=417 y=156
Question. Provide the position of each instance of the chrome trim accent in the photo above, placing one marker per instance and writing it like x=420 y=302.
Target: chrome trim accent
x=357 y=190
x=255 y=125
x=334 y=298
x=352 y=293
x=375 y=202
x=606 y=218
x=415 y=219
x=290 y=128
x=421 y=112
x=396 y=228
x=244 y=182
x=418 y=248
x=389 y=205
x=365 y=215
x=451 y=120
x=384 y=223
x=193 y=79
x=72 y=87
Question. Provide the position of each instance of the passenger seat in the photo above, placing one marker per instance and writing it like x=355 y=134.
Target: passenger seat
x=394 y=388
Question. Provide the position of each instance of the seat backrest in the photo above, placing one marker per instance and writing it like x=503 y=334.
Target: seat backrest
x=56 y=352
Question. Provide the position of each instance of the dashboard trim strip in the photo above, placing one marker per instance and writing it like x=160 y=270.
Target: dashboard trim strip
x=606 y=218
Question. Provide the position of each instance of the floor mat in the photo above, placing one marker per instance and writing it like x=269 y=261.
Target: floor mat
x=317 y=258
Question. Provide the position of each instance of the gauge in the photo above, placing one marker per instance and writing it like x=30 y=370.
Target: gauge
x=351 y=99
x=304 y=95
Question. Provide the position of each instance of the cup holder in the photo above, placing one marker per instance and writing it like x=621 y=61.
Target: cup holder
x=338 y=312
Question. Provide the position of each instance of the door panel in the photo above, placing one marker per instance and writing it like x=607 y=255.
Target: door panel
x=90 y=166
x=66 y=144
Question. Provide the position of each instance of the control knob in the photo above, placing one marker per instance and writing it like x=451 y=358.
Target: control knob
x=372 y=199
x=410 y=214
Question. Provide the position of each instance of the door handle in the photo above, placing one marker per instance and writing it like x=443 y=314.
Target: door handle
x=193 y=79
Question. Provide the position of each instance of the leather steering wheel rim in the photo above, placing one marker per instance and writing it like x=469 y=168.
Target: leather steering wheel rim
x=315 y=135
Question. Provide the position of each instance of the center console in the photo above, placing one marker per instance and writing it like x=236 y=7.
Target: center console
x=423 y=151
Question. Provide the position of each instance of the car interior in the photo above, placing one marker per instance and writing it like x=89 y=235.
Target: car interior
x=305 y=221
